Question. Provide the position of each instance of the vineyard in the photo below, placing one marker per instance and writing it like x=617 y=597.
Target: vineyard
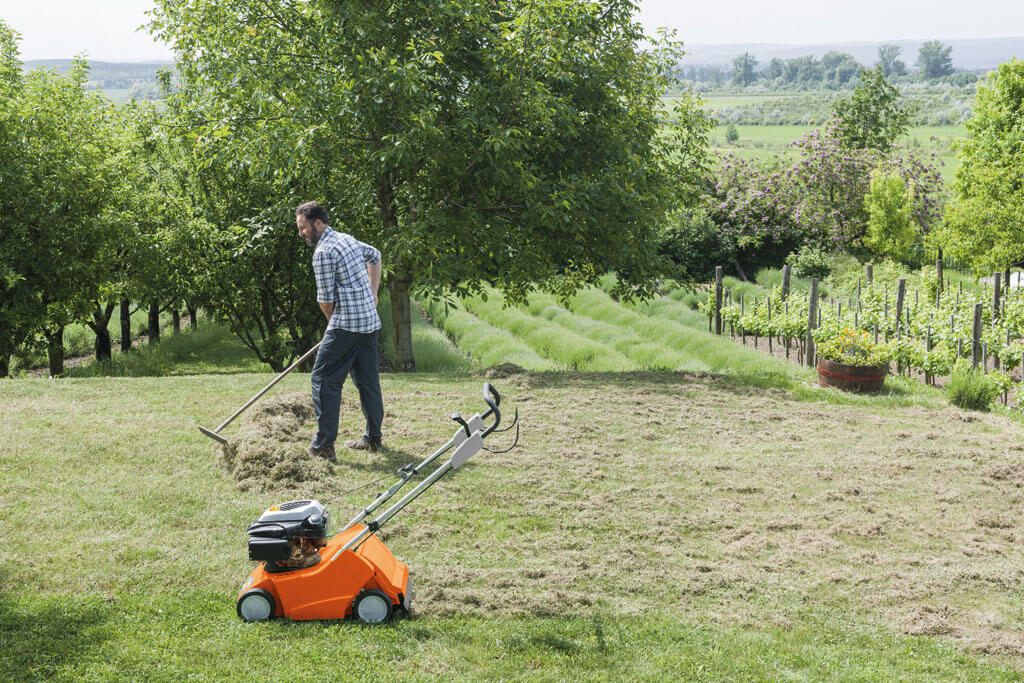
x=922 y=327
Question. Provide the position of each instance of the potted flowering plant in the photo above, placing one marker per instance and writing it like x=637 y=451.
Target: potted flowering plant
x=850 y=360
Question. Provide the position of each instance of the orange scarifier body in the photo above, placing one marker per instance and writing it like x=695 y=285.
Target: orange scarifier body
x=327 y=589
x=302 y=575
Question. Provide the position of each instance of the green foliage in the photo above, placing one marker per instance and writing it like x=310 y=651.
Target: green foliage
x=521 y=143
x=971 y=389
x=693 y=242
x=58 y=199
x=732 y=134
x=872 y=117
x=891 y=230
x=810 y=261
x=743 y=70
x=850 y=346
x=888 y=60
x=934 y=59
x=985 y=220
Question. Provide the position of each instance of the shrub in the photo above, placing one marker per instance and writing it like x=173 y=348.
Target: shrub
x=971 y=389
x=810 y=261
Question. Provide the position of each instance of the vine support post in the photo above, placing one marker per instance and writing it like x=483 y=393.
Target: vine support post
x=812 y=320
x=786 y=271
x=996 y=291
x=870 y=272
x=928 y=349
x=901 y=293
x=718 y=299
x=976 y=336
x=938 y=275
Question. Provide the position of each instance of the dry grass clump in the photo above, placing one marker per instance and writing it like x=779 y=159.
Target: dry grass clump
x=269 y=450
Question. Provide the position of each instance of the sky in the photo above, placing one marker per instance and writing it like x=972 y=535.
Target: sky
x=105 y=30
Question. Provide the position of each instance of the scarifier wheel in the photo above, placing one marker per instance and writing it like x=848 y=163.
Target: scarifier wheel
x=256 y=605
x=372 y=607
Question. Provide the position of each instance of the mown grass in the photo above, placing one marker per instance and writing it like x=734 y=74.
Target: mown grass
x=124 y=540
x=488 y=345
x=549 y=339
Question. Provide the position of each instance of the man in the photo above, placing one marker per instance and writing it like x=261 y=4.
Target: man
x=347 y=277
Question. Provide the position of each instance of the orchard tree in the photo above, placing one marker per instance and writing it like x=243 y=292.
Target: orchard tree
x=934 y=60
x=889 y=62
x=18 y=309
x=873 y=116
x=985 y=220
x=61 y=181
x=502 y=141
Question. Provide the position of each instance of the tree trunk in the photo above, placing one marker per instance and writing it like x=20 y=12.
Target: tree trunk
x=192 y=313
x=55 y=350
x=154 y=323
x=176 y=319
x=401 y=318
x=100 y=326
x=126 y=324
x=5 y=365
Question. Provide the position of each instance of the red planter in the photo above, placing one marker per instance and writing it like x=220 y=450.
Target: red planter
x=862 y=378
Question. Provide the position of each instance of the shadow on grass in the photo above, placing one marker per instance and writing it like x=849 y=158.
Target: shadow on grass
x=41 y=636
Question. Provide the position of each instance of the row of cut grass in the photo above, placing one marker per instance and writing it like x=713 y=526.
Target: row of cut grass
x=718 y=354
x=648 y=355
x=550 y=339
x=488 y=345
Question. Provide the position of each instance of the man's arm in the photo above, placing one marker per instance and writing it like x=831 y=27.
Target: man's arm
x=327 y=308
x=373 y=269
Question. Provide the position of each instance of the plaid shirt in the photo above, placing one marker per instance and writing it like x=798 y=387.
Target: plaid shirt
x=339 y=264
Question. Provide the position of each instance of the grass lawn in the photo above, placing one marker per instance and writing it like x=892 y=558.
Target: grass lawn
x=650 y=526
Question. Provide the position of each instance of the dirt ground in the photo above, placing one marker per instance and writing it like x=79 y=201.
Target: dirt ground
x=636 y=492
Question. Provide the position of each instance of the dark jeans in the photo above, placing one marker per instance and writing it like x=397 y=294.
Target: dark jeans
x=340 y=352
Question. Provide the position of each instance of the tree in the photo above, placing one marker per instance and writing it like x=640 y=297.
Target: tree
x=891 y=232
x=872 y=117
x=743 y=70
x=839 y=68
x=985 y=220
x=775 y=69
x=934 y=60
x=469 y=141
x=732 y=134
x=889 y=62
x=61 y=179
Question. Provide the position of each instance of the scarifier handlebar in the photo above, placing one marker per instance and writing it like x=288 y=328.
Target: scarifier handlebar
x=467 y=441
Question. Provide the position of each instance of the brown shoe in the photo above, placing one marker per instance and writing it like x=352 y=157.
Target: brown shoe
x=366 y=444
x=326 y=453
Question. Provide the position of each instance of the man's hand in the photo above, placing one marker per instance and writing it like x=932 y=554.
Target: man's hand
x=327 y=308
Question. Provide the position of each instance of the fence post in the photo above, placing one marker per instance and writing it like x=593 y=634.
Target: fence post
x=786 y=270
x=870 y=271
x=976 y=336
x=812 y=321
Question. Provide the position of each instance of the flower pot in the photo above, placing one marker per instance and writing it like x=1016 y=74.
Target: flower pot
x=863 y=378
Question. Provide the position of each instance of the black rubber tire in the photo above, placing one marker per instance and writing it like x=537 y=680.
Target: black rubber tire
x=258 y=595
x=372 y=600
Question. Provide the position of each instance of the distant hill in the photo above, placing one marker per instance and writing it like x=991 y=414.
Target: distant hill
x=107 y=71
x=968 y=55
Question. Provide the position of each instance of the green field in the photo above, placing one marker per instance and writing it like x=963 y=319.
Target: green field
x=649 y=527
x=765 y=142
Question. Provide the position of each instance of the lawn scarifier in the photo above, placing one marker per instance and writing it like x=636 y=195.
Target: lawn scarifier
x=215 y=433
x=303 y=575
